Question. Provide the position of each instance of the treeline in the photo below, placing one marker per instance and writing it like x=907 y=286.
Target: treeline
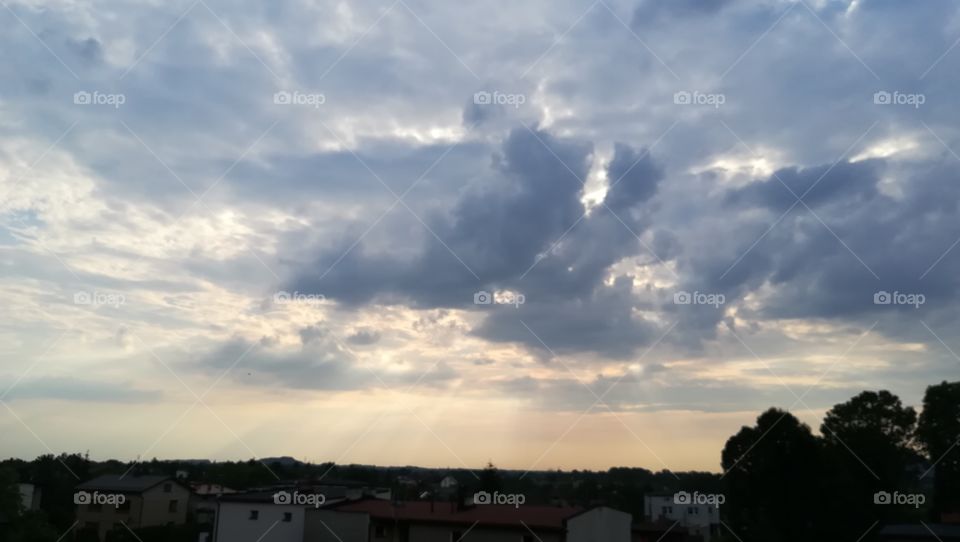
x=875 y=462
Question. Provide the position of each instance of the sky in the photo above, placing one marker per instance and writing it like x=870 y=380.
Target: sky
x=544 y=234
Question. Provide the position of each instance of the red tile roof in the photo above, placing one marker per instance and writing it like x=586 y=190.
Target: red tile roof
x=543 y=517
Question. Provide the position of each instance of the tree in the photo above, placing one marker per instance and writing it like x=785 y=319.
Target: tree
x=10 y=505
x=490 y=480
x=57 y=476
x=21 y=525
x=868 y=446
x=772 y=481
x=938 y=433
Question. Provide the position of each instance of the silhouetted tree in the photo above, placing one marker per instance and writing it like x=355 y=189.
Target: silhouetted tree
x=868 y=446
x=773 y=482
x=490 y=479
x=57 y=476
x=938 y=433
x=20 y=525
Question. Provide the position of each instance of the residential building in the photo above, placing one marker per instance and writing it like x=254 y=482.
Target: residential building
x=204 y=500
x=30 y=496
x=659 y=532
x=109 y=501
x=249 y=516
x=697 y=518
x=932 y=532
x=371 y=520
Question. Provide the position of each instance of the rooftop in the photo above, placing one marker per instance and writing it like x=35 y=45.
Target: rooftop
x=330 y=493
x=544 y=517
x=937 y=531
x=123 y=484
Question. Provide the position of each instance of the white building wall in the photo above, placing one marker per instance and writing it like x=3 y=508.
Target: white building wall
x=442 y=533
x=697 y=518
x=345 y=526
x=234 y=523
x=600 y=523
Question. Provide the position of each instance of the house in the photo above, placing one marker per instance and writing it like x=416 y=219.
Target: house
x=658 y=532
x=107 y=502
x=700 y=517
x=449 y=482
x=30 y=497
x=371 y=520
x=932 y=532
x=279 y=511
x=203 y=502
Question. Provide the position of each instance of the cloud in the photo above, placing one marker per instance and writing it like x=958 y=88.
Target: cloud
x=320 y=364
x=364 y=337
x=81 y=390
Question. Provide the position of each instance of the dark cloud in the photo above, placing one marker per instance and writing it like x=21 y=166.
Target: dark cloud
x=82 y=390
x=364 y=337
x=829 y=261
x=320 y=364
x=653 y=9
x=526 y=232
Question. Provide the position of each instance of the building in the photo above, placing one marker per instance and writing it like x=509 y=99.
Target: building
x=30 y=497
x=204 y=499
x=659 y=532
x=933 y=532
x=371 y=520
x=107 y=502
x=698 y=518
x=249 y=516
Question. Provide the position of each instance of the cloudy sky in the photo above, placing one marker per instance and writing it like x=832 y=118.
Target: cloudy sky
x=553 y=234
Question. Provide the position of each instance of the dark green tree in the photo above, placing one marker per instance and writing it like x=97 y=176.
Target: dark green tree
x=57 y=476
x=938 y=433
x=20 y=525
x=773 y=483
x=490 y=479
x=868 y=443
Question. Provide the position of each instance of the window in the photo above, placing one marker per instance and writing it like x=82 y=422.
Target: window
x=380 y=531
x=455 y=536
x=692 y=510
x=287 y=517
x=254 y=515
x=167 y=488
x=172 y=507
